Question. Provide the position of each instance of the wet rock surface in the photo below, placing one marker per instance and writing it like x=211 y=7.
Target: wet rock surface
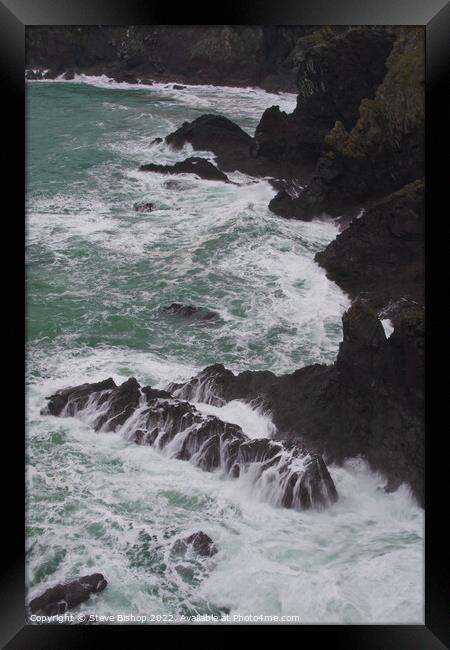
x=194 y=165
x=370 y=402
x=386 y=246
x=200 y=543
x=62 y=597
x=72 y=399
x=190 y=312
x=155 y=417
x=230 y=144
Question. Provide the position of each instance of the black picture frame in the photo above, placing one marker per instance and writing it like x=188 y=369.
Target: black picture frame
x=15 y=15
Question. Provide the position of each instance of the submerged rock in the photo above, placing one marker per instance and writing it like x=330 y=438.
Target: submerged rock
x=189 y=311
x=62 y=597
x=194 y=165
x=175 y=184
x=200 y=543
x=144 y=206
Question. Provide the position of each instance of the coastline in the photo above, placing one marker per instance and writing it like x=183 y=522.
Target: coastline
x=351 y=398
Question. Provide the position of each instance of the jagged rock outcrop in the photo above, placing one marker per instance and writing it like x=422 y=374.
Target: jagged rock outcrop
x=153 y=417
x=214 y=54
x=64 y=401
x=193 y=165
x=231 y=145
x=381 y=254
x=200 y=543
x=217 y=385
x=370 y=402
x=385 y=148
x=62 y=597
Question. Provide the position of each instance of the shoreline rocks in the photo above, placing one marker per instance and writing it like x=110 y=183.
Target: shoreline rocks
x=381 y=254
x=231 y=55
x=382 y=148
x=228 y=142
x=193 y=165
x=370 y=402
x=299 y=479
x=336 y=70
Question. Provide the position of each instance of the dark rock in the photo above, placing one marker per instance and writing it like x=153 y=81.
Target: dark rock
x=33 y=75
x=156 y=141
x=75 y=398
x=392 y=485
x=385 y=246
x=216 y=385
x=144 y=207
x=285 y=205
x=210 y=443
x=189 y=311
x=258 y=450
x=124 y=76
x=178 y=87
x=315 y=488
x=232 y=55
x=230 y=144
x=118 y=402
x=153 y=393
x=384 y=150
x=198 y=166
x=138 y=437
x=200 y=543
x=370 y=402
x=62 y=597
x=121 y=403
x=336 y=70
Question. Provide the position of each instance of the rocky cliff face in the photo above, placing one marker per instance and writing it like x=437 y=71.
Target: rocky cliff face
x=216 y=54
x=381 y=254
x=336 y=69
x=373 y=152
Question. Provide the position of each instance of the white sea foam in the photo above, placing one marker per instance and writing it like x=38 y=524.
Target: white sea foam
x=97 y=273
x=254 y=422
x=358 y=562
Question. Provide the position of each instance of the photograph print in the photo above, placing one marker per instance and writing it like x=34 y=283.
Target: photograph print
x=225 y=324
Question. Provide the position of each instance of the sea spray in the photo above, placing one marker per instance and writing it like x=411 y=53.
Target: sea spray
x=97 y=274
